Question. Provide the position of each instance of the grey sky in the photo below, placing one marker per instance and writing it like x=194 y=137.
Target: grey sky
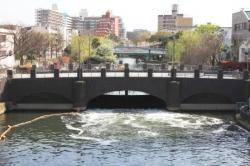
x=137 y=14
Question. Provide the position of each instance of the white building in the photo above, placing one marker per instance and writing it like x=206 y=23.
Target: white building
x=7 y=58
x=83 y=13
x=244 y=51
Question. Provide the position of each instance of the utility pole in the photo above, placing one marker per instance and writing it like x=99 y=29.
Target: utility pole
x=79 y=52
x=89 y=45
x=173 y=55
x=246 y=53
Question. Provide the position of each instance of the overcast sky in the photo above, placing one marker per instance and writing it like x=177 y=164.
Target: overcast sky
x=137 y=14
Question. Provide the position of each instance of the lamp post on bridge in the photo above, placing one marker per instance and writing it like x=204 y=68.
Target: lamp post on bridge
x=246 y=54
x=79 y=52
x=173 y=50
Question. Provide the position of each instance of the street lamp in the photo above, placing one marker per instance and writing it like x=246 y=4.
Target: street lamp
x=246 y=54
x=79 y=52
x=173 y=56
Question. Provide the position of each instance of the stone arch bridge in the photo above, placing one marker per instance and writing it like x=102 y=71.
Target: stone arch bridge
x=76 y=90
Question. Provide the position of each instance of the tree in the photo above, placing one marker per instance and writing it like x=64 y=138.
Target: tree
x=22 y=43
x=198 y=47
x=95 y=43
x=139 y=37
x=80 y=45
x=162 y=37
x=67 y=50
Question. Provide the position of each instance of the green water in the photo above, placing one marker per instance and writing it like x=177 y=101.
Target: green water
x=124 y=137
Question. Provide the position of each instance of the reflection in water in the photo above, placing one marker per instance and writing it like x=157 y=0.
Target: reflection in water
x=126 y=137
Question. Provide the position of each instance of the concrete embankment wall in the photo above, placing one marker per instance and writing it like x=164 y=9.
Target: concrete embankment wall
x=242 y=122
x=2 y=104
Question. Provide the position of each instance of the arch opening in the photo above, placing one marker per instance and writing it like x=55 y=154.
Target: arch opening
x=126 y=99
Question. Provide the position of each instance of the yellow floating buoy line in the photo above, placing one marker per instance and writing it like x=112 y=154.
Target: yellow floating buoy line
x=10 y=127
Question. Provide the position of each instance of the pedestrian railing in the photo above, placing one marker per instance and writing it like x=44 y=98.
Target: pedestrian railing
x=151 y=71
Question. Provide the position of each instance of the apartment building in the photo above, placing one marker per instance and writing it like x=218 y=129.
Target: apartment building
x=240 y=33
x=107 y=25
x=52 y=19
x=175 y=21
x=7 y=58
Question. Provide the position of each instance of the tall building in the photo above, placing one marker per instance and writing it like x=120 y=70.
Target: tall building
x=83 y=13
x=100 y=26
x=240 y=32
x=122 y=29
x=175 y=21
x=49 y=18
x=55 y=22
x=63 y=23
x=107 y=25
x=90 y=24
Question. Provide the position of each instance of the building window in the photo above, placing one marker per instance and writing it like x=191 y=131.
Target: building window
x=243 y=51
x=2 y=53
x=245 y=26
x=2 y=38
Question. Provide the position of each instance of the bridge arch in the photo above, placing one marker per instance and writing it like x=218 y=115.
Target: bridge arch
x=149 y=100
x=104 y=91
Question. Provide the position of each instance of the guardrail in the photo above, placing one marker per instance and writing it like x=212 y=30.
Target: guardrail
x=127 y=72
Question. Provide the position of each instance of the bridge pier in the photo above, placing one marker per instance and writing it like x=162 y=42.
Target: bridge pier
x=79 y=96
x=173 y=99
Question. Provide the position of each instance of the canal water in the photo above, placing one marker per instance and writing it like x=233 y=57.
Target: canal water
x=105 y=137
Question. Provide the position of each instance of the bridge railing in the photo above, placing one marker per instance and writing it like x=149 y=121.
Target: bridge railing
x=143 y=70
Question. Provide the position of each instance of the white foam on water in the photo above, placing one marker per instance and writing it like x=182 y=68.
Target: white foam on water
x=98 y=140
x=136 y=125
x=70 y=127
x=220 y=130
x=95 y=124
x=148 y=133
x=182 y=120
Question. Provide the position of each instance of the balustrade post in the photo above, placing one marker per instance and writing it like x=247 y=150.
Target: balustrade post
x=89 y=66
x=150 y=73
x=144 y=67
x=56 y=73
x=245 y=75
x=126 y=70
x=103 y=72
x=200 y=67
x=181 y=67
x=220 y=74
x=107 y=66
x=70 y=66
x=9 y=74
x=33 y=73
x=163 y=66
x=79 y=73
x=173 y=73
x=196 y=73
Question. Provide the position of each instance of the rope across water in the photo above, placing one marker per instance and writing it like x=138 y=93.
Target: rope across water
x=10 y=127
